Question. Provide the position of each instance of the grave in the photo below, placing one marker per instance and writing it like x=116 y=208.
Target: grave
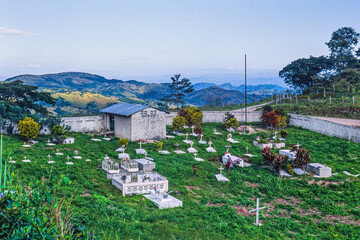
x=26 y=145
x=69 y=140
x=49 y=156
x=137 y=177
x=164 y=152
x=234 y=161
x=106 y=138
x=163 y=200
x=230 y=139
x=220 y=177
x=76 y=155
x=177 y=133
x=95 y=140
x=216 y=132
x=288 y=152
x=140 y=150
x=262 y=145
x=299 y=171
x=26 y=160
x=122 y=155
x=11 y=160
x=58 y=153
x=278 y=145
x=191 y=149
x=319 y=169
x=257 y=209
x=110 y=167
x=179 y=152
x=49 y=143
x=192 y=131
x=210 y=149
x=284 y=174
x=187 y=141
x=201 y=140
x=33 y=142
x=198 y=159
x=68 y=163
x=170 y=137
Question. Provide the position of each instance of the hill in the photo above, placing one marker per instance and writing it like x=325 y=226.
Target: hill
x=213 y=94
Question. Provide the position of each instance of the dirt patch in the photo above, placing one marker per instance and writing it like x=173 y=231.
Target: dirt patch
x=210 y=204
x=190 y=189
x=48 y=147
x=254 y=185
x=291 y=201
x=338 y=219
x=324 y=183
x=243 y=211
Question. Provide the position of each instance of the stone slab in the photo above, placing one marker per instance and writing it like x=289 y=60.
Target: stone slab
x=221 y=178
x=187 y=141
x=284 y=174
x=26 y=146
x=199 y=159
x=51 y=144
x=170 y=137
x=179 y=152
x=51 y=162
x=299 y=171
x=164 y=152
x=95 y=140
x=88 y=160
x=288 y=152
x=77 y=157
x=232 y=140
x=124 y=156
x=169 y=202
x=249 y=155
x=192 y=150
x=278 y=145
x=210 y=149
x=141 y=151
x=59 y=154
x=107 y=139
x=69 y=163
x=349 y=174
x=202 y=142
x=12 y=161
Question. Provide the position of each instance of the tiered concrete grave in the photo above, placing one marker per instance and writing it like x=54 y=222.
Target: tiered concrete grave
x=69 y=140
x=179 y=152
x=278 y=145
x=163 y=201
x=263 y=145
x=124 y=156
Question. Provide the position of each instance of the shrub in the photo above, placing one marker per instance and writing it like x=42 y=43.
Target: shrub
x=232 y=123
x=193 y=116
x=228 y=116
x=266 y=109
x=159 y=146
x=59 y=133
x=178 y=123
x=302 y=159
x=275 y=161
x=270 y=119
x=282 y=122
x=198 y=130
x=289 y=169
x=28 y=128
x=123 y=142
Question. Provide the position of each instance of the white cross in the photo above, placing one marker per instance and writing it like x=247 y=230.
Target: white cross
x=297 y=145
x=177 y=146
x=49 y=156
x=210 y=142
x=221 y=168
x=229 y=135
x=24 y=157
x=57 y=150
x=191 y=144
x=48 y=141
x=186 y=136
x=68 y=158
x=140 y=143
x=215 y=130
x=76 y=152
x=247 y=149
x=257 y=209
x=192 y=129
x=201 y=137
x=195 y=154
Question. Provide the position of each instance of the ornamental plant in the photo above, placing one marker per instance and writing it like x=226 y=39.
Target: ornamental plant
x=159 y=146
x=193 y=116
x=198 y=130
x=178 y=123
x=123 y=142
x=302 y=159
x=232 y=123
x=59 y=133
x=28 y=128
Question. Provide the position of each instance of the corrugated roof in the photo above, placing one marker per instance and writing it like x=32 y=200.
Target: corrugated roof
x=124 y=109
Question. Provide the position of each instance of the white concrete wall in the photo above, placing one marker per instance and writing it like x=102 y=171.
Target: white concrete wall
x=122 y=126
x=326 y=127
x=218 y=116
x=148 y=126
x=84 y=123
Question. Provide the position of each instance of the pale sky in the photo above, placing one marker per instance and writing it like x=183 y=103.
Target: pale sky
x=150 y=39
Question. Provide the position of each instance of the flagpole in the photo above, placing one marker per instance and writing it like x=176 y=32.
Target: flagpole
x=245 y=97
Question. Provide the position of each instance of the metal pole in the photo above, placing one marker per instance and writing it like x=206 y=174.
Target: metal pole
x=245 y=98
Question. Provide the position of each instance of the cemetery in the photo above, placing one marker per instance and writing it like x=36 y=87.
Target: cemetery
x=141 y=182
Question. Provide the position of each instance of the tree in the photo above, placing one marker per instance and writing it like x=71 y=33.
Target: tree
x=178 y=123
x=59 y=133
x=123 y=142
x=300 y=73
x=232 y=123
x=18 y=100
x=178 y=87
x=28 y=128
x=342 y=47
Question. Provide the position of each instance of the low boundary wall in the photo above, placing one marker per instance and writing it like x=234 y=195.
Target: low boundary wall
x=326 y=127
x=84 y=123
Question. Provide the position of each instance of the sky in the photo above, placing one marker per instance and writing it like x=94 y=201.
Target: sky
x=150 y=40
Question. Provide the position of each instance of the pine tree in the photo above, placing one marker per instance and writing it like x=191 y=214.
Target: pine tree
x=179 y=87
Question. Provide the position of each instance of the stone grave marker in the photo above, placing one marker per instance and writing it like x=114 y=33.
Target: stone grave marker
x=220 y=177
x=198 y=159
x=210 y=148
x=68 y=163
x=76 y=155
x=49 y=143
x=58 y=153
x=140 y=150
x=26 y=160
x=201 y=139
x=11 y=160
x=191 y=149
x=187 y=139
x=49 y=156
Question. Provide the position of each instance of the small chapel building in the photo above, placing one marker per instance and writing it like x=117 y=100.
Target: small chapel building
x=134 y=121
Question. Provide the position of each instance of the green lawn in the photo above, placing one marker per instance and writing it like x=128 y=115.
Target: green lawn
x=296 y=208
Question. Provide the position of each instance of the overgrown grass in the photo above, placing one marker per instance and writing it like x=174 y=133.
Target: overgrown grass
x=105 y=212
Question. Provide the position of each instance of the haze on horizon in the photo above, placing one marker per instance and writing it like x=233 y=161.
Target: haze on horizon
x=205 y=40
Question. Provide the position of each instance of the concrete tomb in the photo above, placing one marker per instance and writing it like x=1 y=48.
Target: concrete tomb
x=69 y=140
x=319 y=169
x=288 y=152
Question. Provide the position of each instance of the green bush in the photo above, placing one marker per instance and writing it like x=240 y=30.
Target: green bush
x=232 y=123
x=123 y=142
x=59 y=133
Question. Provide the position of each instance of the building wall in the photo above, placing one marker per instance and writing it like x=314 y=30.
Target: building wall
x=326 y=127
x=145 y=125
x=218 y=116
x=122 y=126
x=84 y=123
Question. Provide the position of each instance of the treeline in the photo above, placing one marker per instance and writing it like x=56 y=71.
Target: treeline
x=337 y=72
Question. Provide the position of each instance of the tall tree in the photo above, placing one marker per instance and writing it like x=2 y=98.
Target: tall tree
x=342 y=47
x=301 y=73
x=18 y=100
x=178 y=87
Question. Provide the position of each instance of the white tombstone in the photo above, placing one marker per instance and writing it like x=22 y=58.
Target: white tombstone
x=319 y=169
x=58 y=153
x=210 y=149
x=164 y=152
x=201 y=140
x=68 y=163
x=76 y=155
x=11 y=160
x=26 y=160
x=198 y=159
x=187 y=140
x=49 y=143
x=191 y=149
x=179 y=152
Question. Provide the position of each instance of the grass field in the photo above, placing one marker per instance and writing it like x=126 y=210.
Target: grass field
x=302 y=207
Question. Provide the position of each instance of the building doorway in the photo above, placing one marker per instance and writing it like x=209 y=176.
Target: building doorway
x=112 y=123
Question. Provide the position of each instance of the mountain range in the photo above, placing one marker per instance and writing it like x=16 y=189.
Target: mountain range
x=133 y=90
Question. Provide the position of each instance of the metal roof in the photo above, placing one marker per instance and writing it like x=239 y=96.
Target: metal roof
x=124 y=109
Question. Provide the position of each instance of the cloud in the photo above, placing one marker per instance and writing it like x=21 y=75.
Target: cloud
x=8 y=31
